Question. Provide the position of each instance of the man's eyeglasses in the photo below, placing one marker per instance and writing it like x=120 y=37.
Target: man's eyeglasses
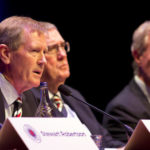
x=55 y=48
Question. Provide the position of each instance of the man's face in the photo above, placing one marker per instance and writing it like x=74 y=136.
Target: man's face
x=144 y=63
x=57 y=68
x=27 y=63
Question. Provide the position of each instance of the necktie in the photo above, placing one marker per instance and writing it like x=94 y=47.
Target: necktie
x=58 y=103
x=17 y=112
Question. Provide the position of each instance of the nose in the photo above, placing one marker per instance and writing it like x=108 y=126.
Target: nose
x=42 y=59
x=61 y=54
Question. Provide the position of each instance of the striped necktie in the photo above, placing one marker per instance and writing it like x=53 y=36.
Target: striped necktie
x=17 y=112
x=59 y=104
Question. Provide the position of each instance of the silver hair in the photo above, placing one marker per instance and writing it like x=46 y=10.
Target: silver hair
x=46 y=25
x=140 y=41
x=11 y=30
x=140 y=36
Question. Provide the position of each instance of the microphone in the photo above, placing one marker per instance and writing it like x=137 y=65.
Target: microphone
x=1 y=125
x=64 y=89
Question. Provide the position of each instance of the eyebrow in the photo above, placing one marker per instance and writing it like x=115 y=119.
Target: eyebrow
x=56 y=44
x=52 y=46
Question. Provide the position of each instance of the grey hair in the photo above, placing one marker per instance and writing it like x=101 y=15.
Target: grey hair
x=46 y=25
x=11 y=30
x=140 y=41
x=140 y=37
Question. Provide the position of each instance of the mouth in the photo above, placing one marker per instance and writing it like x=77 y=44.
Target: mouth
x=39 y=73
x=64 y=66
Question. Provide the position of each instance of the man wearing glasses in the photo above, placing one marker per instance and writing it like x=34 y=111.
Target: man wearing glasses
x=55 y=73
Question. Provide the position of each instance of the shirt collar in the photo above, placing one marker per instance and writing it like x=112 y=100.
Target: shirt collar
x=51 y=95
x=8 y=90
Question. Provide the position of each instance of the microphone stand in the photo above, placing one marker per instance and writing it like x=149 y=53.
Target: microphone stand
x=128 y=129
x=62 y=88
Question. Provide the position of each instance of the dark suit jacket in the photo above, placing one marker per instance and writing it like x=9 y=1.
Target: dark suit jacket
x=86 y=116
x=29 y=105
x=129 y=106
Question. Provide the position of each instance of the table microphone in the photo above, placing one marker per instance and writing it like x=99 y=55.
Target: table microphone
x=1 y=125
x=65 y=90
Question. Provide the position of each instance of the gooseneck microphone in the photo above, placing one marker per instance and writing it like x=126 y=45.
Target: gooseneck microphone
x=64 y=89
x=1 y=125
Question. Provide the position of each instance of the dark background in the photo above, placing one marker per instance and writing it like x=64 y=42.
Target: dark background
x=100 y=37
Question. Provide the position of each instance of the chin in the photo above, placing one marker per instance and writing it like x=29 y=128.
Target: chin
x=64 y=77
x=35 y=84
x=68 y=75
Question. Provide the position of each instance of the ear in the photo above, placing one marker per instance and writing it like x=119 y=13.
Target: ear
x=4 y=54
x=136 y=56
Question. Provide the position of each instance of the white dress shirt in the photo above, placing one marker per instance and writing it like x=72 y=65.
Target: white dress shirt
x=70 y=112
x=10 y=94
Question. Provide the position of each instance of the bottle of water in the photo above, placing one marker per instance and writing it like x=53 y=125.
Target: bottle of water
x=44 y=109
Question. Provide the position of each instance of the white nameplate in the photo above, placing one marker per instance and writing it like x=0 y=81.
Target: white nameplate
x=48 y=133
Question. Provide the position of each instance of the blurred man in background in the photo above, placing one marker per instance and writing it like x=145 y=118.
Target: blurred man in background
x=133 y=102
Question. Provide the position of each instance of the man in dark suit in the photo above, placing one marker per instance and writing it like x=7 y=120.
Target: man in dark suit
x=55 y=73
x=22 y=59
x=133 y=102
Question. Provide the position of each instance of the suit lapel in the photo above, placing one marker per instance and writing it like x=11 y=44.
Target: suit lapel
x=75 y=106
x=137 y=91
x=2 y=109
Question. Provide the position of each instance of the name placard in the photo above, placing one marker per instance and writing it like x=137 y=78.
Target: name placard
x=140 y=139
x=46 y=133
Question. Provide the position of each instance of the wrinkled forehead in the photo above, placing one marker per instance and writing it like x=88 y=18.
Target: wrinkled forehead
x=37 y=35
x=53 y=37
x=36 y=39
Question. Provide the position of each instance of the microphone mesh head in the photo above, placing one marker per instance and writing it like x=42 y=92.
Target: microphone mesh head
x=64 y=89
